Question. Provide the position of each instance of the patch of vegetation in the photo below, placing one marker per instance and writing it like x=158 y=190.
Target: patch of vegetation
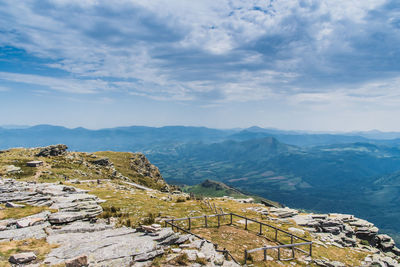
x=181 y=199
x=182 y=259
x=201 y=261
x=17 y=213
x=39 y=246
x=149 y=219
x=364 y=242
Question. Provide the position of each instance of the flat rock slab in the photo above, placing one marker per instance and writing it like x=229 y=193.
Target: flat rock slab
x=22 y=258
x=100 y=246
x=82 y=227
x=66 y=217
x=36 y=231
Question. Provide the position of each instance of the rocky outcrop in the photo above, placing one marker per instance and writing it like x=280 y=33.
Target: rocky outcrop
x=72 y=205
x=102 y=162
x=343 y=230
x=82 y=241
x=53 y=150
x=142 y=166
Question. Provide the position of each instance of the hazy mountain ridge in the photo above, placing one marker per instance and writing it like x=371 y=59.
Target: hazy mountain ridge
x=142 y=138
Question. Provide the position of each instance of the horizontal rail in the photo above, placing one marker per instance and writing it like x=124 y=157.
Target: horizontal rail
x=280 y=246
x=186 y=231
x=240 y=216
x=197 y=217
x=271 y=226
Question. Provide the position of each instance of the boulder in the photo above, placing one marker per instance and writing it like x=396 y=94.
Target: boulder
x=22 y=258
x=77 y=261
x=26 y=222
x=150 y=228
x=384 y=242
x=102 y=162
x=149 y=255
x=66 y=217
x=13 y=169
x=191 y=254
x=396 y=251
x=54 y=150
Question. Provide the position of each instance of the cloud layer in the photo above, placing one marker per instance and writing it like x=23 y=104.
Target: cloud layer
x=208 y=52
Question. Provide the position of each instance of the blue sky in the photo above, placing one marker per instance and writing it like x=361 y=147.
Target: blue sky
x=309 y=65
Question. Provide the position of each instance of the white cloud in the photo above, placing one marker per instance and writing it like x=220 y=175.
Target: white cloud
x=76 y=86
x=215 y=51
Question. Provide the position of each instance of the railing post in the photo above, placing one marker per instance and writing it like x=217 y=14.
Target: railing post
x=190 y=224
x=166 y=224
x=279 y=253
x=260 y=229
x=310 y=249
x=245 y=228
x=245 y=256
x=231 y=219
x=291 y=242
x=265 y=254
x=172 y=224
x=219 y=218
x=276 y=234
x=205 y=220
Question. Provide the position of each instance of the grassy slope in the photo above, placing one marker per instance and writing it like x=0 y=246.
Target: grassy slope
x=210 y=188
x=123 y=163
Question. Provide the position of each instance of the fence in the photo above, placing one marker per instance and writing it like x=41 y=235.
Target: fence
x=293 y=246
x=173 y=225
x=212 y=207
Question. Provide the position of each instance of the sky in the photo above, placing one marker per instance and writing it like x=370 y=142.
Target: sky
x=323 y=65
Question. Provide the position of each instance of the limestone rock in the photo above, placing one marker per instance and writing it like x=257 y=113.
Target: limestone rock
x=82 y=227
x=384 y=242
x=54 y=150
x=77 y=262
x=283 y=212
x=13 y=169
x=36 y=231
x=22 y=258
x=191 y=254
x=149 y=255
x=296 y=231
x=102 y=162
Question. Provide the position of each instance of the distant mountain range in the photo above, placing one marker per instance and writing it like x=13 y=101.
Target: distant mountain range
x=357 y=173
x=142 y=138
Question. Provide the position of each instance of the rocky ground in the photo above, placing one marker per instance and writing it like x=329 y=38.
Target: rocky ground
x=340 y=230
x=81 y=239
x=63 y=225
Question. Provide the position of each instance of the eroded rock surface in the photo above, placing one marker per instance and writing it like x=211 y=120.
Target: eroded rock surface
x=80 y=239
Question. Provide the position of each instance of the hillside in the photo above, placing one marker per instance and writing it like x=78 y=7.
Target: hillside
x=210 y=188
x=79 y=208
x=333 y=178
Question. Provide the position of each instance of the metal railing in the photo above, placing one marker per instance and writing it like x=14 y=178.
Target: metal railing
x=293 y=246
